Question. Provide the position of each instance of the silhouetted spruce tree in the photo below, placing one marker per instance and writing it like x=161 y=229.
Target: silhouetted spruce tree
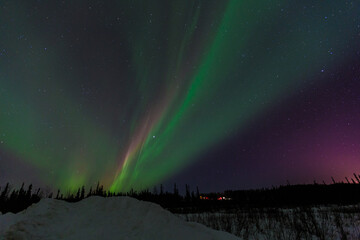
x=58 y=194
x=78 y=194
x=347 y=180
x=5 y=192
x=187 y=192
x=161 y=189
x=22 y=192
x=176 y=190
x=357 y=179
x=97 y=191
x=333 y=180
x=82 y=195
x=101 y=191
x=28 y=193
x=90 y=192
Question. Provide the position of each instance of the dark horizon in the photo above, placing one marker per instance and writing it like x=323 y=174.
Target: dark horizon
x=181 y=187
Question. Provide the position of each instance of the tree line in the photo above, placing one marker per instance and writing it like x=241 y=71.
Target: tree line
x=340 y=193
x=15 y=200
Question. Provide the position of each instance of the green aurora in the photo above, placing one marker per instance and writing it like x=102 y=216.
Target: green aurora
x=193 y=73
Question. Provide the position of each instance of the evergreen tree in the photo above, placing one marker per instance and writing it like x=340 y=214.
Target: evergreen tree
x=58 y=194
x=5 y=192
x=97 y=188
x=161 y=189
x=187 y=192
x=82 y=195
x=333 y=180
x=28 y=192
x=90 y=192
x=78 y=194
x=176 y=190
x=357 y=179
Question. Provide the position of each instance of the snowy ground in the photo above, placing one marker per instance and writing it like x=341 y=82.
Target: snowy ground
x=325 y=223
x=101 y=218
x=127 y=218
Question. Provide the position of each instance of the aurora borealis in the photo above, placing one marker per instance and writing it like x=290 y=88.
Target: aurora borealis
x=220 y=94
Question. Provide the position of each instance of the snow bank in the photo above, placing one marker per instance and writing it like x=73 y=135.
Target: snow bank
x=101 y=218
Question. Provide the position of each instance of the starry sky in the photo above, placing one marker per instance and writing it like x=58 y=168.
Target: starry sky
x=219 y=94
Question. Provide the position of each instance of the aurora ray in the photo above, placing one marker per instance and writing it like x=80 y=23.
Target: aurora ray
x=132 y=93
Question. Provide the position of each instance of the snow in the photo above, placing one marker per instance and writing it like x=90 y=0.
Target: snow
x=101 y=218
x=315 y=222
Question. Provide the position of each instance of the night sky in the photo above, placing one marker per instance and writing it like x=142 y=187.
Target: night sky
x=219 y=94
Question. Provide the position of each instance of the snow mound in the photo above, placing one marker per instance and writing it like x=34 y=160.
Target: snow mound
x=101 y=218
